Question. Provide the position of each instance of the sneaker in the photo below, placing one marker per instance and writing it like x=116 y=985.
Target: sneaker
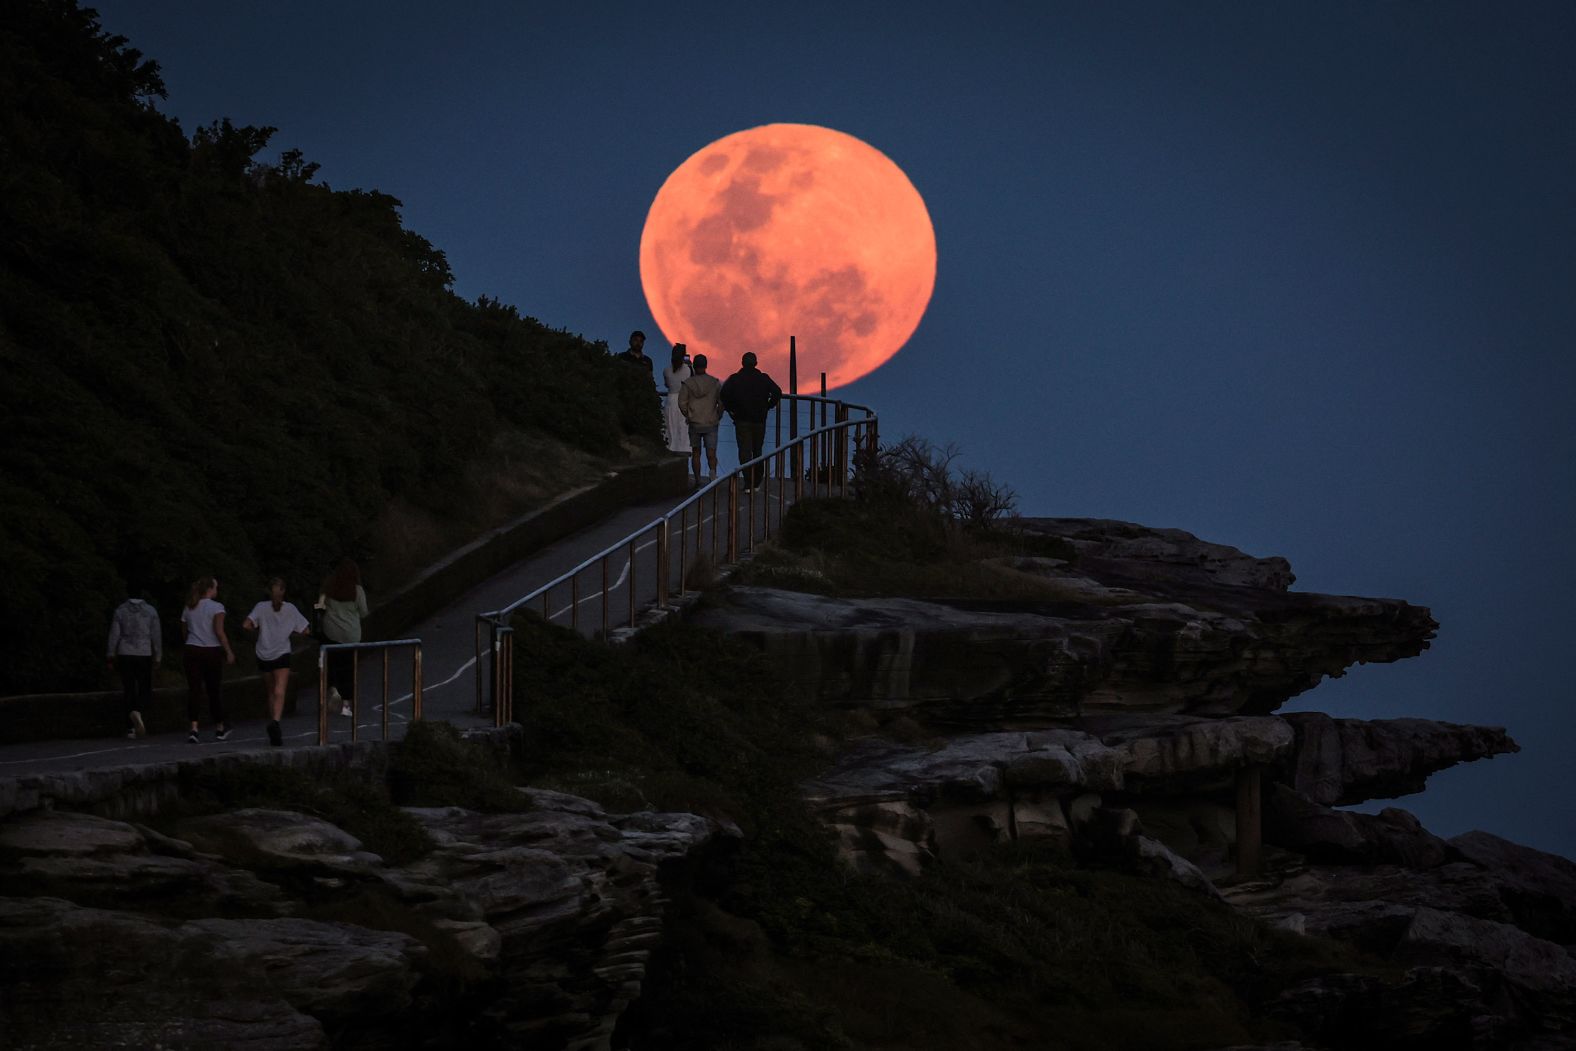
x=131 y=735
x=275 y=737
x=346 y=712
x=193 y=738
x=219 y=735
x=137 y=727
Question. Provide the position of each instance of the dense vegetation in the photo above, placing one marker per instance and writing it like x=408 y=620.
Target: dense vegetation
x=213 y=364
x=781 y=946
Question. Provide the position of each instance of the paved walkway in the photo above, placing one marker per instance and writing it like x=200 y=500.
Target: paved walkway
x=448 y=641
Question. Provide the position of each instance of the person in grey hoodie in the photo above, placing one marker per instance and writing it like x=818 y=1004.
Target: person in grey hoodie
x=136 y=645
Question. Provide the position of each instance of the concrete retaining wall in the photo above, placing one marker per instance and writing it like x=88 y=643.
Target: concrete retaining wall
x=141 y=791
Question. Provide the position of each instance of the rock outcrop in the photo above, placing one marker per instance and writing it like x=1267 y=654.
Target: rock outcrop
x=1145 y=620
x=1345 y=761
x=274 y=929
x=889 y=802
x=1121 y=723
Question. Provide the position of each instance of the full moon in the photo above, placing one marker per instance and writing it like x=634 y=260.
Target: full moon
x=789 y=230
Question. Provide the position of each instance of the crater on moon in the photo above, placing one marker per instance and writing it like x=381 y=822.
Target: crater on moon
x=789 y=230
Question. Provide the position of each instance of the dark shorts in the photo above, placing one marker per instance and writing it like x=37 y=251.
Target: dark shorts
x=274 y=665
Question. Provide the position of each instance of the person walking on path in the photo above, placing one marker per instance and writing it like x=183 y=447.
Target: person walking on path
x=136 y=645
x=636 y=354
x=700 y=402
x=207 y=652
x=749 y=395
x=275 y=621
x=673 y=377
x=344 y=603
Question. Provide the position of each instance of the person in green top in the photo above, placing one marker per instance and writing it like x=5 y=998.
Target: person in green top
x=343 y=603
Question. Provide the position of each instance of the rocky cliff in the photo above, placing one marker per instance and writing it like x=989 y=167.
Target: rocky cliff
x=1123 y=718
x=263 y=928
x=1128 y=717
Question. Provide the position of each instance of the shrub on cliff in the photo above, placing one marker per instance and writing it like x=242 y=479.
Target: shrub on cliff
x=434 y=766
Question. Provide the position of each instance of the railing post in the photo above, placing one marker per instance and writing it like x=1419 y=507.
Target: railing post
x=683 y=548
x=322 y=694
x=605 y=627
x=497 y=670
x=355 y=694
x=663 y=569
x=629 y=583
x=733 y=517
x=476 y=640
x=415 y=692
x=842 y=448
x=385 y=694
x=508 y=676
x=505 y=709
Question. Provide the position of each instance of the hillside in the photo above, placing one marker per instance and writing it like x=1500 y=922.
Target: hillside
x=214 y=364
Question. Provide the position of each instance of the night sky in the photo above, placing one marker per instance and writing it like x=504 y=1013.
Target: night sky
x=1300 y=279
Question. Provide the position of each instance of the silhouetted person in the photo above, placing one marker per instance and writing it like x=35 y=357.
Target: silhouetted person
x=749 y=395
x=636 y=354
x=207 y=652
x=673 y=377
x=135 y=647
x=343 y=603
x=275 y=621
x=700 y=400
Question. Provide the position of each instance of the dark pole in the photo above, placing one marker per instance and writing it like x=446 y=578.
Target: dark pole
x=793 y=406
x=793 y=386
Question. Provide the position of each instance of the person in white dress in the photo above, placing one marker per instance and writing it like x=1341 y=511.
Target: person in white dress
x=275 y=621
x=673 y=376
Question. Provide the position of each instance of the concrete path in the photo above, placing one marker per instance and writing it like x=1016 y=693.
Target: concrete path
x=448 y=639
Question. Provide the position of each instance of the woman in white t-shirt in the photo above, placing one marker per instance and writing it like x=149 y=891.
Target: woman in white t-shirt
x=207 y=652
x=275 y=621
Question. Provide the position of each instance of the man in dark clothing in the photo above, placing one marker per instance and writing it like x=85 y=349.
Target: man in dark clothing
x=749 y=395
x=636 y=355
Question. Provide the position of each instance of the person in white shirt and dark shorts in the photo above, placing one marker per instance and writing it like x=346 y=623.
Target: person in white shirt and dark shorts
x=275 y=622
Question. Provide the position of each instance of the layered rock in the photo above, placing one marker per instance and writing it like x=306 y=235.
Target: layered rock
x=530 y=929
x=898 y=804
x=1512 y=978
x=1143 y=620
x=1345 y=761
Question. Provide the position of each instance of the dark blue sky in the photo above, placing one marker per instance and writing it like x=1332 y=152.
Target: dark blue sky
x=1300 y=279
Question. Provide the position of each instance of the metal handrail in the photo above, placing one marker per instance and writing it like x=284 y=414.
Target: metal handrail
x=828 y=463
x=355 y=680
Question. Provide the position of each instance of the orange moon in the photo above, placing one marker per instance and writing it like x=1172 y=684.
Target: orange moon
x=789 y=230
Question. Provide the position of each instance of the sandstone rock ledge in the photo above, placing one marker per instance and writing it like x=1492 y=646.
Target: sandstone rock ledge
x=1145 y=620
x=527 y=929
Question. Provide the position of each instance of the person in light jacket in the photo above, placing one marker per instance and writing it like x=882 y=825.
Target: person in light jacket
x=343 y=603
x=136 y=646
x=700 y=400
